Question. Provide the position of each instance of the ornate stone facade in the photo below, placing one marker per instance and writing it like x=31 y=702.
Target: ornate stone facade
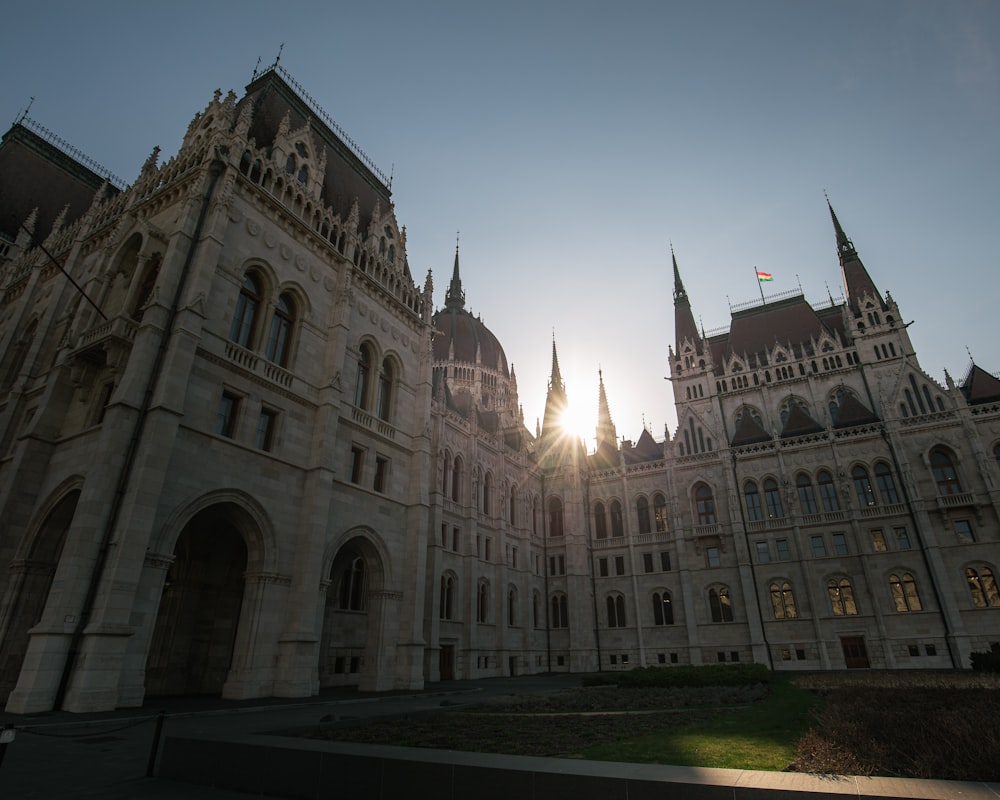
x=240 y=455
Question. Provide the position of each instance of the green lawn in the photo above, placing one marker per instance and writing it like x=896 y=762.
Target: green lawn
x=758 y=736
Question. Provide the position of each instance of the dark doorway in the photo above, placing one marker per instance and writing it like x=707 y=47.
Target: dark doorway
x=36 y=573
x=855 y=655
x=446 y=662
x=192 y=646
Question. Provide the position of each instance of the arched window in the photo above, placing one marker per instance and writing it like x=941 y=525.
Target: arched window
x=560 y=609
x=617 y=528
x=863 y=487
x=904 y=592
x=783 y=601
x=841 y=597
x=362 y=391
x=807 y=495
x=772 y=498
x=511 y=606
x=535 y=611
x=663 y=609
x=720 y=604
x=600 y=522
x=487 y=493
x=512 y=506
x=447 y=597
x=483 y=602
x=245 y=318
x=983 y=586
x=660 y=512
x=827 y=491
x=755 y=511
x=456 y=480
x=446 y=474
x=704 y=504
x=383 y=402
x=642 y=512
x=944 y=473
x=145 y=290
x=886 y=485
x=616 y=610
x=534 y=515
x=279 y=337
x=555 y=517
x=352 y=595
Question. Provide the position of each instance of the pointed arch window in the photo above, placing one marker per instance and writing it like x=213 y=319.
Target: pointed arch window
x=353 y=586
x=512 y=506
x=704 y=504
x=145 y=290
x=983 y=587
x=245 y=318
x=386 y=380
x=772 y=499
x=560 y=611
x=720 y=604
x=555 y=517
x=904 y=592
x=663 y=609
x=642 y=513
x=362 y=390
x=600 y=521
x=487 y=493
x=279 y=337
x=807 y=495
x=944 y=472
x=616 y=610
x=841 y=597
x=886 y=484
x=483 y=601
x=827 y=491
x=617 y=526
x=783 y=600
x=755 y=512
x=456 y=480
x=511 y=606
x=447 y=609
x=660 y=512
x=863 y=487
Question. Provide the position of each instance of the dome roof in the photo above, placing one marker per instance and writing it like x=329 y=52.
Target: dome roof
x=459 y=336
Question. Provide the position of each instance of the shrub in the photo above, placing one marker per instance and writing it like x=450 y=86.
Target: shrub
x=685 y=676
x=988 y=661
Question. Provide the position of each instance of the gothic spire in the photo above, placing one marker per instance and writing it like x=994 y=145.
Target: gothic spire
x=607 y=436
x=455 y=297
x=857 y=281
x=555 y=401
x=684 y=324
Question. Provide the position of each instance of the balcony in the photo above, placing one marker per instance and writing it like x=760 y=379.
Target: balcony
x=373 y=423
x=956 y=500
x=107 y=340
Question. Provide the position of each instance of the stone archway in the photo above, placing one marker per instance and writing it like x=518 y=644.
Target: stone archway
x=199 y=614
x=28 y=590
x=355 y=644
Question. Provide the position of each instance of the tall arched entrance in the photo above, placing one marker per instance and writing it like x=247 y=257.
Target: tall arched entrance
x=28 y=590
x=351 y=645
x=192 y=646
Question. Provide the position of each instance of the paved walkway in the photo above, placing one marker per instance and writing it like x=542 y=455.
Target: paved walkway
x=58 y=755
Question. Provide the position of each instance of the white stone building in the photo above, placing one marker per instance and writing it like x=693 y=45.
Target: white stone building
x=240 y=455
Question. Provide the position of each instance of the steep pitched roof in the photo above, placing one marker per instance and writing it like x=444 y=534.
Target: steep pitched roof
x=749 y=431
x=980 y=387
x=799 y=423
x=646 y=449
x=853 y=412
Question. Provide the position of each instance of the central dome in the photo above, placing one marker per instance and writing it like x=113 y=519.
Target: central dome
x=462 y=338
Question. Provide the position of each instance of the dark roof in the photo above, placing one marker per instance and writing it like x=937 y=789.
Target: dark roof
x=980 y=387
x=36 y=174
x=347 y=176
x=790 y=321
x=457 y=328
x=853 y=412
x=749 y=431
x=799 y=423
x=646 y=449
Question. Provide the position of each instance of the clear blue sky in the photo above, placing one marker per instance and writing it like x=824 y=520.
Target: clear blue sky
x=572 y=142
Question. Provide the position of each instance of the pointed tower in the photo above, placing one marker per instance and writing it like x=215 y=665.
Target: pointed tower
x=555 y=401
x=857 y=282
x=455 y=296
x=685 y=328
x=607 y=436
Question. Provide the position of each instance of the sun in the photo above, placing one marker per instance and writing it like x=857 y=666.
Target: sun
x=577 y=423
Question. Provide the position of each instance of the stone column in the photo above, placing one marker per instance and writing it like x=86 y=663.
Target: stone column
x=380 y=649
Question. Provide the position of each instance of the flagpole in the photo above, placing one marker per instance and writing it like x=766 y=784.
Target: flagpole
x=759 y=284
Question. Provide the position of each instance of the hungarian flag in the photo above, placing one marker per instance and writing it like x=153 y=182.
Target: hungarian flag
x=764 y=277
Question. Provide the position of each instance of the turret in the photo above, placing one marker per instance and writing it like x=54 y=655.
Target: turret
x=555 y=401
